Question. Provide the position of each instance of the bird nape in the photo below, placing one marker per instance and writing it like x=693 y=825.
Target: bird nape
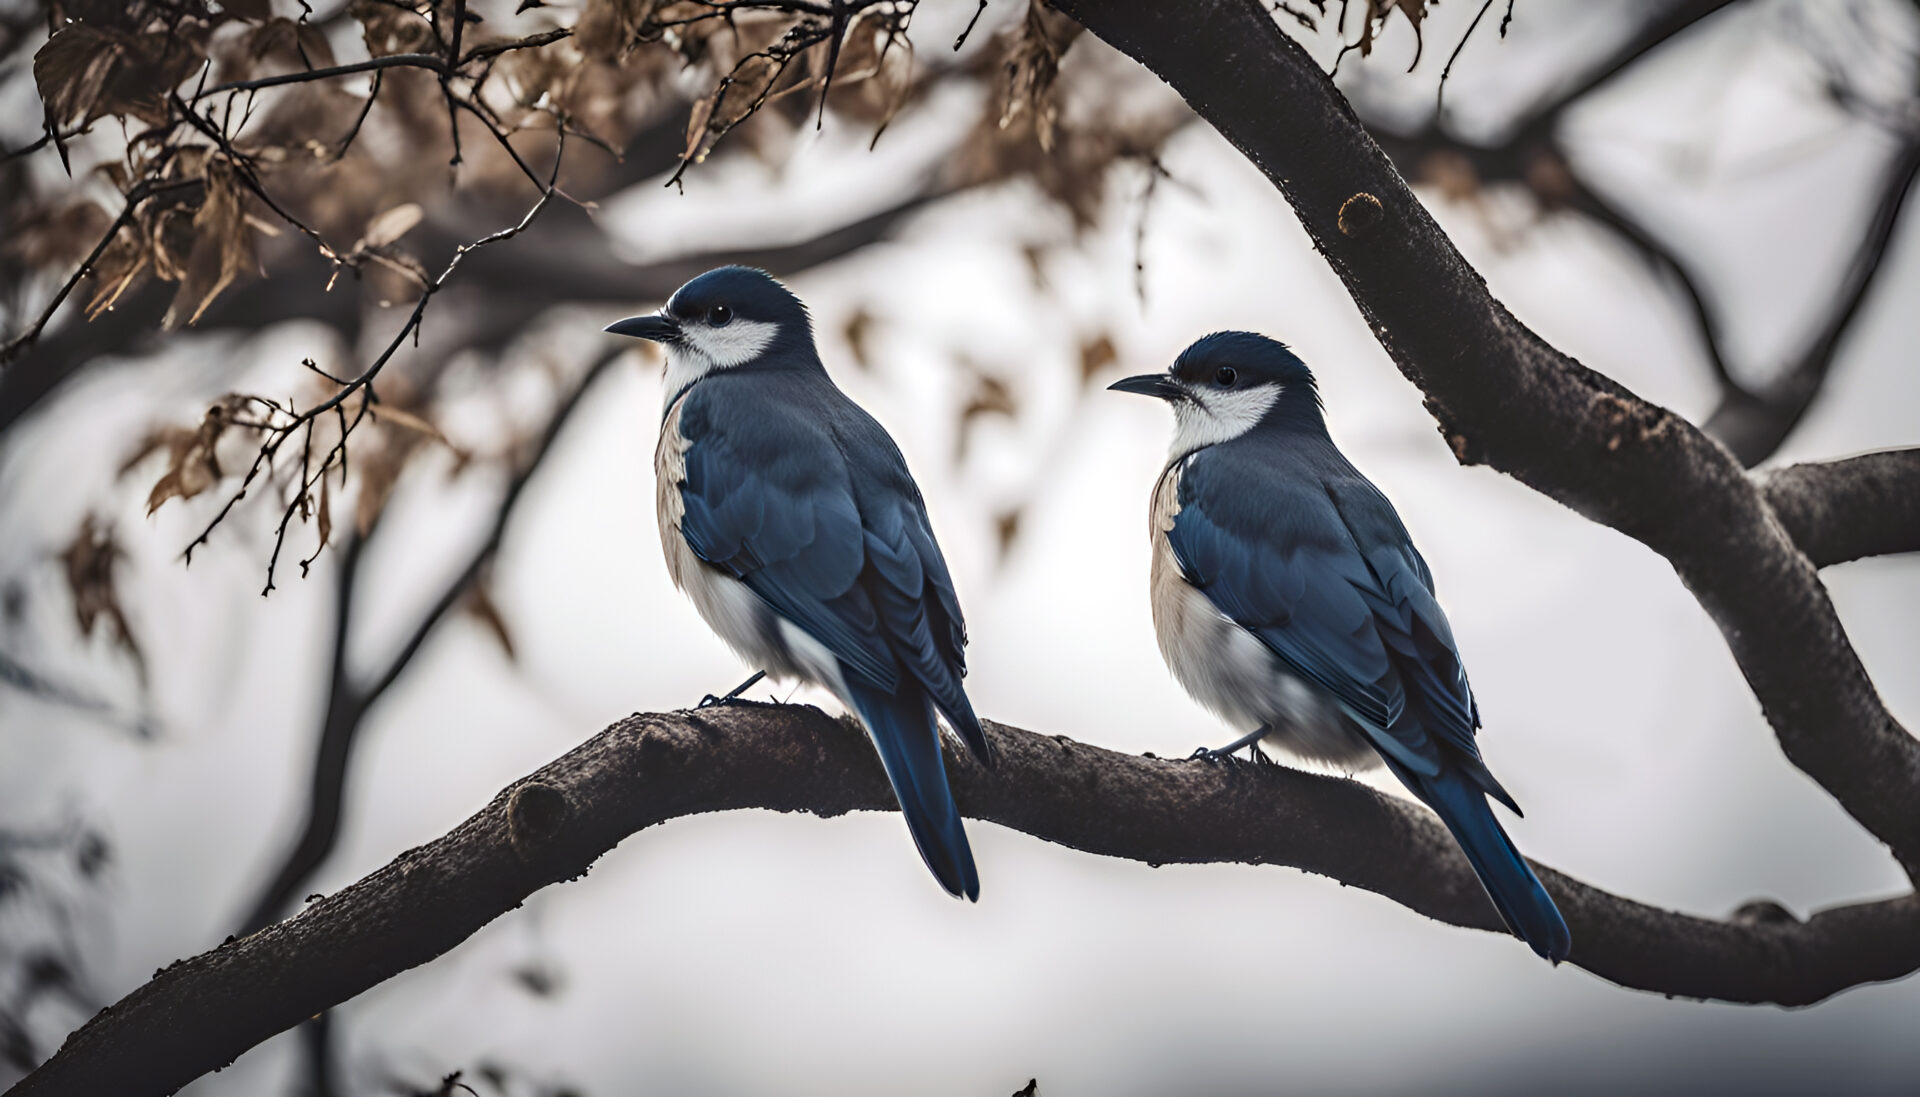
x=1289 y=599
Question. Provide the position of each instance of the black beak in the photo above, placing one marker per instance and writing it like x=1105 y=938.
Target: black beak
x=655 y=326
x=1157 y=385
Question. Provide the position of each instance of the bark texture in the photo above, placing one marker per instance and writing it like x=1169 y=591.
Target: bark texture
x=199 y=1014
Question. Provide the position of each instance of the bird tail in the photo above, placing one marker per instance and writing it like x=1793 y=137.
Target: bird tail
x=1516 y=892
x=903 y=730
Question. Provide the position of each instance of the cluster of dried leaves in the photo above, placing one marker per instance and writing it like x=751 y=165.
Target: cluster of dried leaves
x=247 y=138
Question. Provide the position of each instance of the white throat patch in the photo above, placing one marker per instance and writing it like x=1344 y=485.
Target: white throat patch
x=701 y=349
x=1218 y=415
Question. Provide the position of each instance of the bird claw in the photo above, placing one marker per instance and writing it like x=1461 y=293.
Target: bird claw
x=1204 y=754
x=710 y=701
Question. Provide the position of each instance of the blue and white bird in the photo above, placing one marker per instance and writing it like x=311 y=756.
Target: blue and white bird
x=788 y=516
x=1288 y=598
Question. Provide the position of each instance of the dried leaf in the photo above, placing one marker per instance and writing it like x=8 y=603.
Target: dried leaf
x=88 y=70
x=222 y=246
x=990 y=396
x=89 y=561
x=1006 y=529
x=1095 y=356
x=400 y=417
x=1379 y=11
x=387 y=227
x=277 y=45
x=479 y=603
x=390 y=28
x=192 y=466
x=859 y=326
x=1032 y=54
x=324 y=512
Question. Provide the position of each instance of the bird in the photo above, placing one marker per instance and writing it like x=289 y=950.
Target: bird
x=1289 y=599
x=788 y=516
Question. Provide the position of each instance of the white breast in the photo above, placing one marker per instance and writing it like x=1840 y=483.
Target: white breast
x=731 y=609
x=1227 y=669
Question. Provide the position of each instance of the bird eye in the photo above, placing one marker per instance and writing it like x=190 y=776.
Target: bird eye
x=719 y=316
x=1225 y=377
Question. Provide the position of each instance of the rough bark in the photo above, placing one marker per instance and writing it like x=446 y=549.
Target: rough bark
x=199 y=1014
x=1844 y=510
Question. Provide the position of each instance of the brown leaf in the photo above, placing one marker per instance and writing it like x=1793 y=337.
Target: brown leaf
x=607 y=29
x=89 y=561
x=859 y=327
x=1096 y=355
x=222 y=245
x=479 y=603
x=990 y=396
x=324 y=512
x=1379 y=11
x=1032 y=54
x=192 y=466
x=400 y=417
x=277 y=45
x=1006 y=529
x=389 y=28
x=387 y=227
x=88 y=70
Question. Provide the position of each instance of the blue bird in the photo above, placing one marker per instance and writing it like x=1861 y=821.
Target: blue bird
x=1288 y=598
x=789 y=518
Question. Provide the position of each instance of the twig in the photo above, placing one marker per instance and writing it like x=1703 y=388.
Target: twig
x=140 y=193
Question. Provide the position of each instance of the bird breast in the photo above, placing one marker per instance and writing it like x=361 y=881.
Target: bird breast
x=741 y=618
x=1225 y=666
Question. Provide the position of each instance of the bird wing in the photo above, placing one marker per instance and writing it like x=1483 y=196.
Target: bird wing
x=1323 y=574
x=906 y=576
x=771 y=502
x=818 y=515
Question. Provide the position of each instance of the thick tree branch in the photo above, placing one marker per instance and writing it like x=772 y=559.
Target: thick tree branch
x=1504 y=397
x=199 y=1014
x=1844 y=510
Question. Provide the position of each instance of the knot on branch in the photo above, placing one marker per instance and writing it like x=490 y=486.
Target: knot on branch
x=1763 y=912
x=1359 y=214
x=1624 y=420
x=535 y=814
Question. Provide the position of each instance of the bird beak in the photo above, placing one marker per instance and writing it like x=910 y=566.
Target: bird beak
x=657 y=326
x=1157 y=385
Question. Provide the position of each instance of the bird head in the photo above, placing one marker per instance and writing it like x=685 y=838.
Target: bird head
x=1228 y=383
x=726 y=318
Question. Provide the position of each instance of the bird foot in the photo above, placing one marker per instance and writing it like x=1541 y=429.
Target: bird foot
x=710 y=701
x=1250 y=741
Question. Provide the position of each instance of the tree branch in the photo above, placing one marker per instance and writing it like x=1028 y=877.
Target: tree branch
x=1753 y=424
x=199 y=1014
x=1849 y=509
x=348 y=703
x=1505 y=398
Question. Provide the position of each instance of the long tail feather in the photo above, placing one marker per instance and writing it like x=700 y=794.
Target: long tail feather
x=1516 y=892
x=904 y=732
